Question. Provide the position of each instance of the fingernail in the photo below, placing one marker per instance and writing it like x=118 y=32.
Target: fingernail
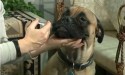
x=47 y=22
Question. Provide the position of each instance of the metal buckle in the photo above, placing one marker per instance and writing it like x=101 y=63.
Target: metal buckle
x=80 y=67
x=73 y=65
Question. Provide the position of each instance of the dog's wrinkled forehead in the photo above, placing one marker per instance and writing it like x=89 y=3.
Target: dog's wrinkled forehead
x=79 y=17
x=72 y=24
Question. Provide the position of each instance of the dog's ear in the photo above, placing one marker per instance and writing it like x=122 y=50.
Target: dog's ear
x=99 y=32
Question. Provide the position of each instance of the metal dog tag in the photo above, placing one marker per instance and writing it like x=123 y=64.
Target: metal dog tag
x=71 y=72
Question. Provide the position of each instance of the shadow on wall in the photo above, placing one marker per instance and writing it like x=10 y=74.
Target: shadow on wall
x=107 y=12
x=102 y=14
x=112 y=7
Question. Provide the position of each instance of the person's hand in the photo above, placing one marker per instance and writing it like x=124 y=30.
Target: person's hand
x=54 y=42
x=34 y=38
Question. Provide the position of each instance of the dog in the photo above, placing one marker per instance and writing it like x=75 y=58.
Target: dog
x=77 y=23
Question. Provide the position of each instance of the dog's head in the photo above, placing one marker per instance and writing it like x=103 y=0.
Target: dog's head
x=78 y=23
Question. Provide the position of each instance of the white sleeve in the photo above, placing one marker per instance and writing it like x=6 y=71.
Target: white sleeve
x=7 y=52
x=3 y=36
x=2 y=10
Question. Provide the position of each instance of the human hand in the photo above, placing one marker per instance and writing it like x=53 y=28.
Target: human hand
x=34 y=38
x=54 y=42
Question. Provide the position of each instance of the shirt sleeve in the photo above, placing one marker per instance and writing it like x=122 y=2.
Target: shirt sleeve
x=7 y=49
x=7 y=52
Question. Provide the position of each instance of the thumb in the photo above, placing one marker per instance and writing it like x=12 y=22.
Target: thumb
x=61 y=41
x=65 y=41
x=34 y=24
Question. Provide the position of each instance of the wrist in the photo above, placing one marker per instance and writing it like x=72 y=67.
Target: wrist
x=18 y=51
x=35 y=53
x=24 y=45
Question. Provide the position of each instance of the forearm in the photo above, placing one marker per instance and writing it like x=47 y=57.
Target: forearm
x=35 y=53
x=11 y=50
x=27 y=47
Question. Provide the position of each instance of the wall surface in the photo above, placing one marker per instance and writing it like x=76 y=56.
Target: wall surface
x=105 y=10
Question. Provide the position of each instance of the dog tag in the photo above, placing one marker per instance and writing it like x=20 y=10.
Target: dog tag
x=71 y=72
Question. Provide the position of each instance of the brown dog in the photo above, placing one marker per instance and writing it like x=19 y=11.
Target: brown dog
x=77 y=22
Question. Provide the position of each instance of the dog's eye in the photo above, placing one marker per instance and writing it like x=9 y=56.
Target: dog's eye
x=82 y=19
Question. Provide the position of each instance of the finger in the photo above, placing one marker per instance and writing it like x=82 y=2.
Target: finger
x=79 y=45
x=77 y=42
x=47 y=34
x=34 y=24
x=47 y=27
x=66 y=41
x=74 y=44
x=69 y=44
x=52 y=36
x=61 y=41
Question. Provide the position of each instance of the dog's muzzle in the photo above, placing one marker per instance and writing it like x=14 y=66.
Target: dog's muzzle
x=68 y=27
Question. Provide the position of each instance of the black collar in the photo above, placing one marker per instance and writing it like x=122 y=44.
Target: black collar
x=76 y=66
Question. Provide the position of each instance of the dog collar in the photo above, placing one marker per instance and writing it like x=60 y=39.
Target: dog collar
x=76 y=66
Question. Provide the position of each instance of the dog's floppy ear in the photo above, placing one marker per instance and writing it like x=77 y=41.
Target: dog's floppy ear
x=99 y=32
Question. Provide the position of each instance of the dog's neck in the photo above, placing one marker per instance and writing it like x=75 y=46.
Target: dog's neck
x=79 y=55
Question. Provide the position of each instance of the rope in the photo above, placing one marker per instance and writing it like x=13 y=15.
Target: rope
x=59 y=9
x=120 y=52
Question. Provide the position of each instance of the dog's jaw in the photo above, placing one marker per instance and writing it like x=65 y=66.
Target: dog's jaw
x=86 y=53
x=79 y=55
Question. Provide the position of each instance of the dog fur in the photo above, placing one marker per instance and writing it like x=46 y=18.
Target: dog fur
x=93 y=29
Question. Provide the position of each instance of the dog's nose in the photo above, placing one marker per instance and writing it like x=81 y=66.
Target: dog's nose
x=62 y=29
x=66 y=19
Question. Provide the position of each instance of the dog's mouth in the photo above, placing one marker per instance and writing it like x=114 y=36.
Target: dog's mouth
x=84 y=44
